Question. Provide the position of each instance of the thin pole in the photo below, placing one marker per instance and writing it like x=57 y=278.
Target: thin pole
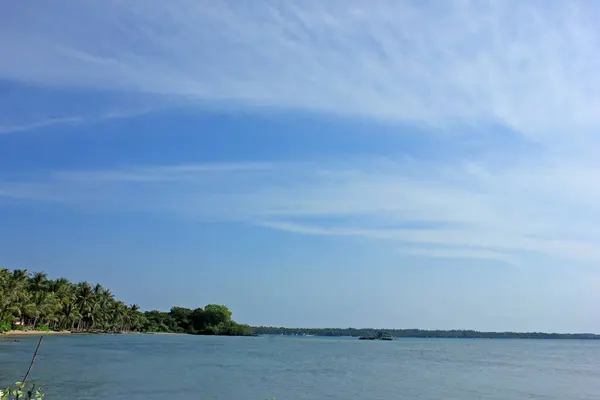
x=33 y=359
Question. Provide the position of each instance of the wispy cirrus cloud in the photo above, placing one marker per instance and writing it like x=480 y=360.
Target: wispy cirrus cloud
x=177 y=173
x=10 y=124
x=39 y=124
x=462 y=211
x=530 y=66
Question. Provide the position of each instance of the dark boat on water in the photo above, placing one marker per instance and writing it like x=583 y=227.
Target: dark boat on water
x=378 y=336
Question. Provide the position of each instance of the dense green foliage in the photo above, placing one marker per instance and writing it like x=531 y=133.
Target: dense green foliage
x=212 y=320
x=32 y=301
x=420 y=333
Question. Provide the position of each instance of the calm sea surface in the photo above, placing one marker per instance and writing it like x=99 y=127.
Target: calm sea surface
x=195 y=367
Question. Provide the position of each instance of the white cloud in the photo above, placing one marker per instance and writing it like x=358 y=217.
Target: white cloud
x=458 y=210
x=39 y=124
x=160 y=173
x=465 y=254
x=528 y=65
x=21 y=126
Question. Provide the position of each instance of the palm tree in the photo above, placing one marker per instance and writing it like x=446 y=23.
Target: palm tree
x=20 y=276
x=104 y=301
x=85 y=303
x=23 y=306
x=46 y=306
x=134 y=316
x=65 y=298
x=39 y=281
x=118 y=315
x=60 y=285
x=69 y=313
x=31 y=299
x=5 y=293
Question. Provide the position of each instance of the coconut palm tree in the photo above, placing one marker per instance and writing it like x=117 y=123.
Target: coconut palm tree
x=32 y=299
x=122 y=315
x=85 y=304
x=23 y=306
x=46 y=306
x=38 y=282
x=134 y=315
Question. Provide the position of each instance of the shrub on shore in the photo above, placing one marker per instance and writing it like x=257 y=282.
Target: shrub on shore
x=42 y=328
x=5 y=325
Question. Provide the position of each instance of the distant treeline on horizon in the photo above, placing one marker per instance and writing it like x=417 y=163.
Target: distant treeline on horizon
x=420 y=333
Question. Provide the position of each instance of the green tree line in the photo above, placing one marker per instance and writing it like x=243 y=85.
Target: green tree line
x=32 y=301
x=419 y=333
x=211 y=320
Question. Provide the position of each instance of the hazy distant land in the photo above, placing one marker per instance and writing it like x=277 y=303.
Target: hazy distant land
x=421 y=333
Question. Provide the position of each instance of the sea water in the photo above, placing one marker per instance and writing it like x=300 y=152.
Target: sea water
x=256 y=368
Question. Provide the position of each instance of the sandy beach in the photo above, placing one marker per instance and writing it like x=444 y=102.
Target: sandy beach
x=44 y=333
x=38 y=333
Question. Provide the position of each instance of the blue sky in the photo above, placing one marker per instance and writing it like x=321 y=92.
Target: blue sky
x=309 y=163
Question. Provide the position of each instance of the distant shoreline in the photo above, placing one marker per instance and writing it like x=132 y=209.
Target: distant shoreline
x=342 y=333
x=419 y=333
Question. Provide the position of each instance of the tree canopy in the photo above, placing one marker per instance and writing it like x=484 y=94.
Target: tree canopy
x=213 y=319
x=32 y=301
